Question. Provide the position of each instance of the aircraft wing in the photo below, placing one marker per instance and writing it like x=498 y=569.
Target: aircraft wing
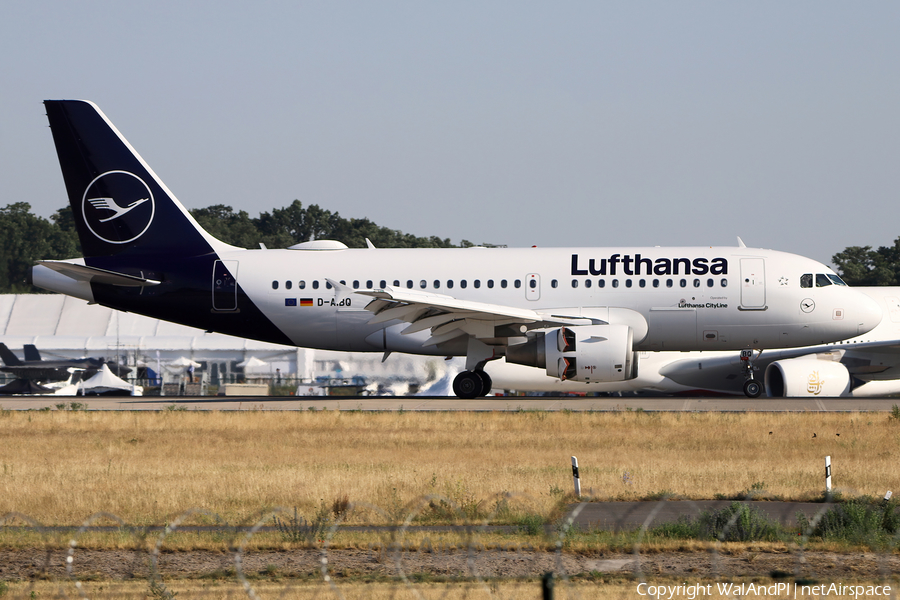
x=448 y=317
x=86 y=273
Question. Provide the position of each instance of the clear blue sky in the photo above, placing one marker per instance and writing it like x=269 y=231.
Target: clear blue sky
x=519 y=123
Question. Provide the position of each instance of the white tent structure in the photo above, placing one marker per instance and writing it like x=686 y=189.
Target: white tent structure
x=104 y=382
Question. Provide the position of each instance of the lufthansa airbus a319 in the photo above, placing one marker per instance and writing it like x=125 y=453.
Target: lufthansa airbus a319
x=575 y=314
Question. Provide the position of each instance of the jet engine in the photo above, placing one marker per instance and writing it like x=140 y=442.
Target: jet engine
x=807 y=376
x=586 y=353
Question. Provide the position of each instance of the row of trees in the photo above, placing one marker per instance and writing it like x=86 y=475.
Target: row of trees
x=861 y=265
x=25 y=238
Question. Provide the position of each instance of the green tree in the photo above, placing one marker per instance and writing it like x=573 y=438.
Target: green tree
x=231 y=227
x=860 y=265
x=26 y=238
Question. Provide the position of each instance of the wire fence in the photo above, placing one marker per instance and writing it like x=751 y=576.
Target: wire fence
x=353 y=549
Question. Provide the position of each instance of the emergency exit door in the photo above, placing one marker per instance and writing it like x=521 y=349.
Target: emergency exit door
x=753 y=283
x=224 y=285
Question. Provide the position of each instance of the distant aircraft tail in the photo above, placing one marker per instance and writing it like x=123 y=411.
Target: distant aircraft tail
x=31 y=352
x=9 y=359
x=121 y=207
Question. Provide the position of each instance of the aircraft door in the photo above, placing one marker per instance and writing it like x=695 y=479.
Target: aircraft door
x=224 y=285
x=533 y=286
x=753 y=283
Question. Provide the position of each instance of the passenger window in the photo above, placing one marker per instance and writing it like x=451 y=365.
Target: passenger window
x=355 y=284
x=683 y=283
x=642 y=283
x=587 y=283
x=724 y=282
x=327 y=285
x=554 y=283
x=288 y=284
x=668 y=283
x=822 y=280
x=601 y=283
x=316 y=284
x=806 y=280
x=409 y=284
x=301 y=285
x=490 y=283
x=517 y=283
x=274 y=285
x=656 y=283
x=574 y=283
x=449 y=284
x=710 y=282
x=437 y=284
x=503 y=283
x=423 y=284
x=477 y=283
x=463 y=284
x=696 y=283
x=628 y=283
x=370 y=285
x=615 y=283
x=532 y=284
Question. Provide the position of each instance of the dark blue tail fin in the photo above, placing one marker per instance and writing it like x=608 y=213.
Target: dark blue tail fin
x=121 y=207
x=31 y=352
x=9 y=359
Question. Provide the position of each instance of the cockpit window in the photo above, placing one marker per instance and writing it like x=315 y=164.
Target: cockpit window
x=837 y=280
x=822 y=280
x=806 y=280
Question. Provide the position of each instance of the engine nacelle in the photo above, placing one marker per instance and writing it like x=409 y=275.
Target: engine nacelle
x=807 y=376
x=587 y=353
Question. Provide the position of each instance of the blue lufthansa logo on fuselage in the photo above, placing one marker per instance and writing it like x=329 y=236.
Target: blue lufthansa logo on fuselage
x=118 y=207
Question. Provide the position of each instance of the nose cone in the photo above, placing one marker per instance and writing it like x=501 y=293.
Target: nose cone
x=866 y=312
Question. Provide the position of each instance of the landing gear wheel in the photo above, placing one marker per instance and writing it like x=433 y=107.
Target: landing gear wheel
x=486 y=383
x=752 y=389
x=468 y=385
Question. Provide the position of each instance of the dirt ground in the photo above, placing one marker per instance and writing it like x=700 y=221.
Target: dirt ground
x=33 y=564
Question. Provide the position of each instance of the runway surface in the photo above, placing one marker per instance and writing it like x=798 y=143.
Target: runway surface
x=417 y=403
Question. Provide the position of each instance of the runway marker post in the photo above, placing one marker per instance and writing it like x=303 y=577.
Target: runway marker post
x=576 y=477
x=828 y=474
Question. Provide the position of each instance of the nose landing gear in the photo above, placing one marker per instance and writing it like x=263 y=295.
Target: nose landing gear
x=752 y=388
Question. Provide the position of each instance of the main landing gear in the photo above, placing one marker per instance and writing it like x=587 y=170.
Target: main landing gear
x=752 y=388
x=472 y=384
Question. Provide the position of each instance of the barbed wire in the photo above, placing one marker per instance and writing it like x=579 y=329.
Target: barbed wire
x=459 y=557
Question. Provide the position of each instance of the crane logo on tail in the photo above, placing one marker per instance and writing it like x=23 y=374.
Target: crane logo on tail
x=118 y=207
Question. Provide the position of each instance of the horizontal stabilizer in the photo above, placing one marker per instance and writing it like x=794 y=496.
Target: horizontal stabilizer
x=95 y=275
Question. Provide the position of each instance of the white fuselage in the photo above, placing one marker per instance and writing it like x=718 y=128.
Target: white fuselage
x=717 y=298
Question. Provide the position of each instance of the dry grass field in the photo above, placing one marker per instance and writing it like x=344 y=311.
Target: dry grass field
x=60 y=467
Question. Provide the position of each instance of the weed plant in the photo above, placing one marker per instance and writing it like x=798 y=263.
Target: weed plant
x=737 y=522
x=862 y=521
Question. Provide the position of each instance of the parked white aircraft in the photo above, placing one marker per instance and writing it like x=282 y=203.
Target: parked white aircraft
x=577 y=314
x=864 y=366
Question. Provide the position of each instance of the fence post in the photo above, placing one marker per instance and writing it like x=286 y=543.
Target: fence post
x=828 y=474
x=547 y=585
x=576 y=477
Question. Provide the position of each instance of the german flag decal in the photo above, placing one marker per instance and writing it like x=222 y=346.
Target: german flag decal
x=306 y=301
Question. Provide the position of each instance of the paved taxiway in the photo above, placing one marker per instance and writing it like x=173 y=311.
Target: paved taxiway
x=499 y=403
